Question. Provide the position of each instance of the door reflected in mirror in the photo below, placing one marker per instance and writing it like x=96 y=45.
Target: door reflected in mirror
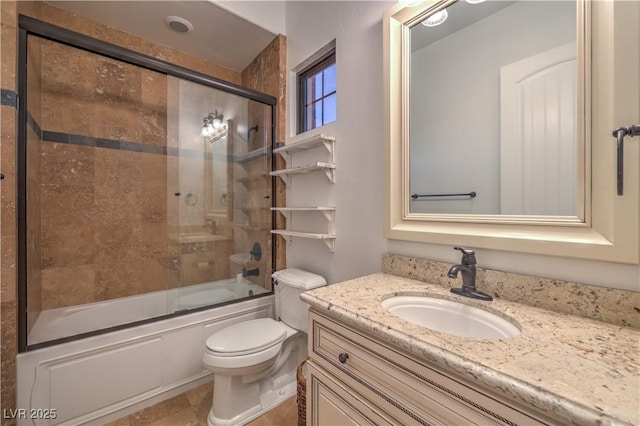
x=494 y=126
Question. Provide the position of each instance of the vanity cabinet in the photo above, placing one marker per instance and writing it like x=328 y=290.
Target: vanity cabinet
x=355 y=378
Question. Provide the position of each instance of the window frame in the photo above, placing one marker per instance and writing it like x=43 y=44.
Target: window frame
x=319 y=65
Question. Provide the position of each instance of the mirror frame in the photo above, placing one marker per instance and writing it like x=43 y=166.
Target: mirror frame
x=597 y=233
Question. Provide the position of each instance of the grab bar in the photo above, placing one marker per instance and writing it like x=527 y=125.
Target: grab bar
x=470 y=194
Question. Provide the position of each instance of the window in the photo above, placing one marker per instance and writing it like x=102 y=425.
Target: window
x=317 y=93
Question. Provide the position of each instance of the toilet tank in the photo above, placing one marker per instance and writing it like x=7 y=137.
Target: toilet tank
x=288 y=285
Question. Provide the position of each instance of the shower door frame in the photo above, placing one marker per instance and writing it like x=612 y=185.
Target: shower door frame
x=31 y=26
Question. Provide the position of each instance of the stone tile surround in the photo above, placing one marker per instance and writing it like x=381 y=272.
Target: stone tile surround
x=619 y=307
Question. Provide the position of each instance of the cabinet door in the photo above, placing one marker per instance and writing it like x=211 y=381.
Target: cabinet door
x=332 y=404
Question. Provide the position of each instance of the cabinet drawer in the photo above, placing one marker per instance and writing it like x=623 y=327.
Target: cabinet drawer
x=333 y=404
x=409 y=390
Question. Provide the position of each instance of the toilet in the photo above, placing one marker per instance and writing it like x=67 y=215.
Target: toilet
x=254 y=362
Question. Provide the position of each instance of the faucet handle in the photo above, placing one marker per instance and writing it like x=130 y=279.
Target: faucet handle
x=464 y=250
x=468 y=256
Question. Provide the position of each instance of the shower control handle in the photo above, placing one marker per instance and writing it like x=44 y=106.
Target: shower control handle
x=343 y=357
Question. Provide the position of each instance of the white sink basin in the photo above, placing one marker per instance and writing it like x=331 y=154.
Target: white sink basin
x=450 y=317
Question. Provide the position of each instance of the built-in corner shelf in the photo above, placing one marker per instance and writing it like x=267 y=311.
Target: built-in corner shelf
x=259 y=153
x=252 y=226
x=250 y=179
x=329 y=213
x=248 y=210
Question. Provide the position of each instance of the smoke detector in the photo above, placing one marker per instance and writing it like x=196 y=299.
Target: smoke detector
x=178 y=24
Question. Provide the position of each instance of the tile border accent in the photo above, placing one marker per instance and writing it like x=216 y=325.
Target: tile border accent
x=123 y=145
x=31 y=122
x=90 y=141
x=8 y=98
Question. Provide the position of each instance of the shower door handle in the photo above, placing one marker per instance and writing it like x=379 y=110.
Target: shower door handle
x=619 y=134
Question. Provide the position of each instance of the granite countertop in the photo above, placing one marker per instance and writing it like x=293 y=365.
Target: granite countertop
x=577 y=370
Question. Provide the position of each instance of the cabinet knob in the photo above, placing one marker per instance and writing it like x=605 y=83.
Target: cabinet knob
x=343 y=357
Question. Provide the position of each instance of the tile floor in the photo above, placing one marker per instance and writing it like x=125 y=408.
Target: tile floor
x=191 y=409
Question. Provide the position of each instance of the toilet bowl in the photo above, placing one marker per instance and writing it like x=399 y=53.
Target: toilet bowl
x=254 y=362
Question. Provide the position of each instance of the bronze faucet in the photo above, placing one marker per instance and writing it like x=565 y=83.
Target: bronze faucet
x=467 y=268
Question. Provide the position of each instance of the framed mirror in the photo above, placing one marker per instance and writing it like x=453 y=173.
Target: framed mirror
x=491 y=110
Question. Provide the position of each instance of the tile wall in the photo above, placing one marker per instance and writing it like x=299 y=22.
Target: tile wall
x=103 y=180
x=8 y=123
x=266 y=74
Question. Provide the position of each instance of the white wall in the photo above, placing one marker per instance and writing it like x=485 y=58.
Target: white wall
x=357 y=193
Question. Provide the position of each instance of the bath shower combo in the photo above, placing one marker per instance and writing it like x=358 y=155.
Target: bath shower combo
x=120 y=279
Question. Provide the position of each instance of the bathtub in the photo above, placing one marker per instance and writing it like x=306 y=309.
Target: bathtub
x=104 y=377
x=70 y=321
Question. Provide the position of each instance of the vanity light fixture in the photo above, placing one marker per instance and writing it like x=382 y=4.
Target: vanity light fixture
x=211 y=122
x=436 y=19
x=205 y=128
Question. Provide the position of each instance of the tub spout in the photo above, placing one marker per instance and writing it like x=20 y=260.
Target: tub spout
x=251 y=272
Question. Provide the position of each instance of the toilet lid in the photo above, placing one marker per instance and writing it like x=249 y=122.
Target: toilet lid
x=246 y=337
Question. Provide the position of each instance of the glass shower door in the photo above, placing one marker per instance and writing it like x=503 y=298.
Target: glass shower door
x=220 y=215
x=144 y=194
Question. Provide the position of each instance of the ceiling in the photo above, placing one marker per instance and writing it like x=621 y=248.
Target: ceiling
x=218 y=35
x=461 y=15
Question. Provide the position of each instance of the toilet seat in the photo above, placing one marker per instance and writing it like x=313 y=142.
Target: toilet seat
x=246 y=338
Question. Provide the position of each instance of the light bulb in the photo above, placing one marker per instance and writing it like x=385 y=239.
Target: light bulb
x=205 y=130
x=217 y=123
x=436 y=19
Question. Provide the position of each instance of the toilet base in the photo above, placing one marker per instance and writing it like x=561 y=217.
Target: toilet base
x=238 y=399
x=269 y=399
